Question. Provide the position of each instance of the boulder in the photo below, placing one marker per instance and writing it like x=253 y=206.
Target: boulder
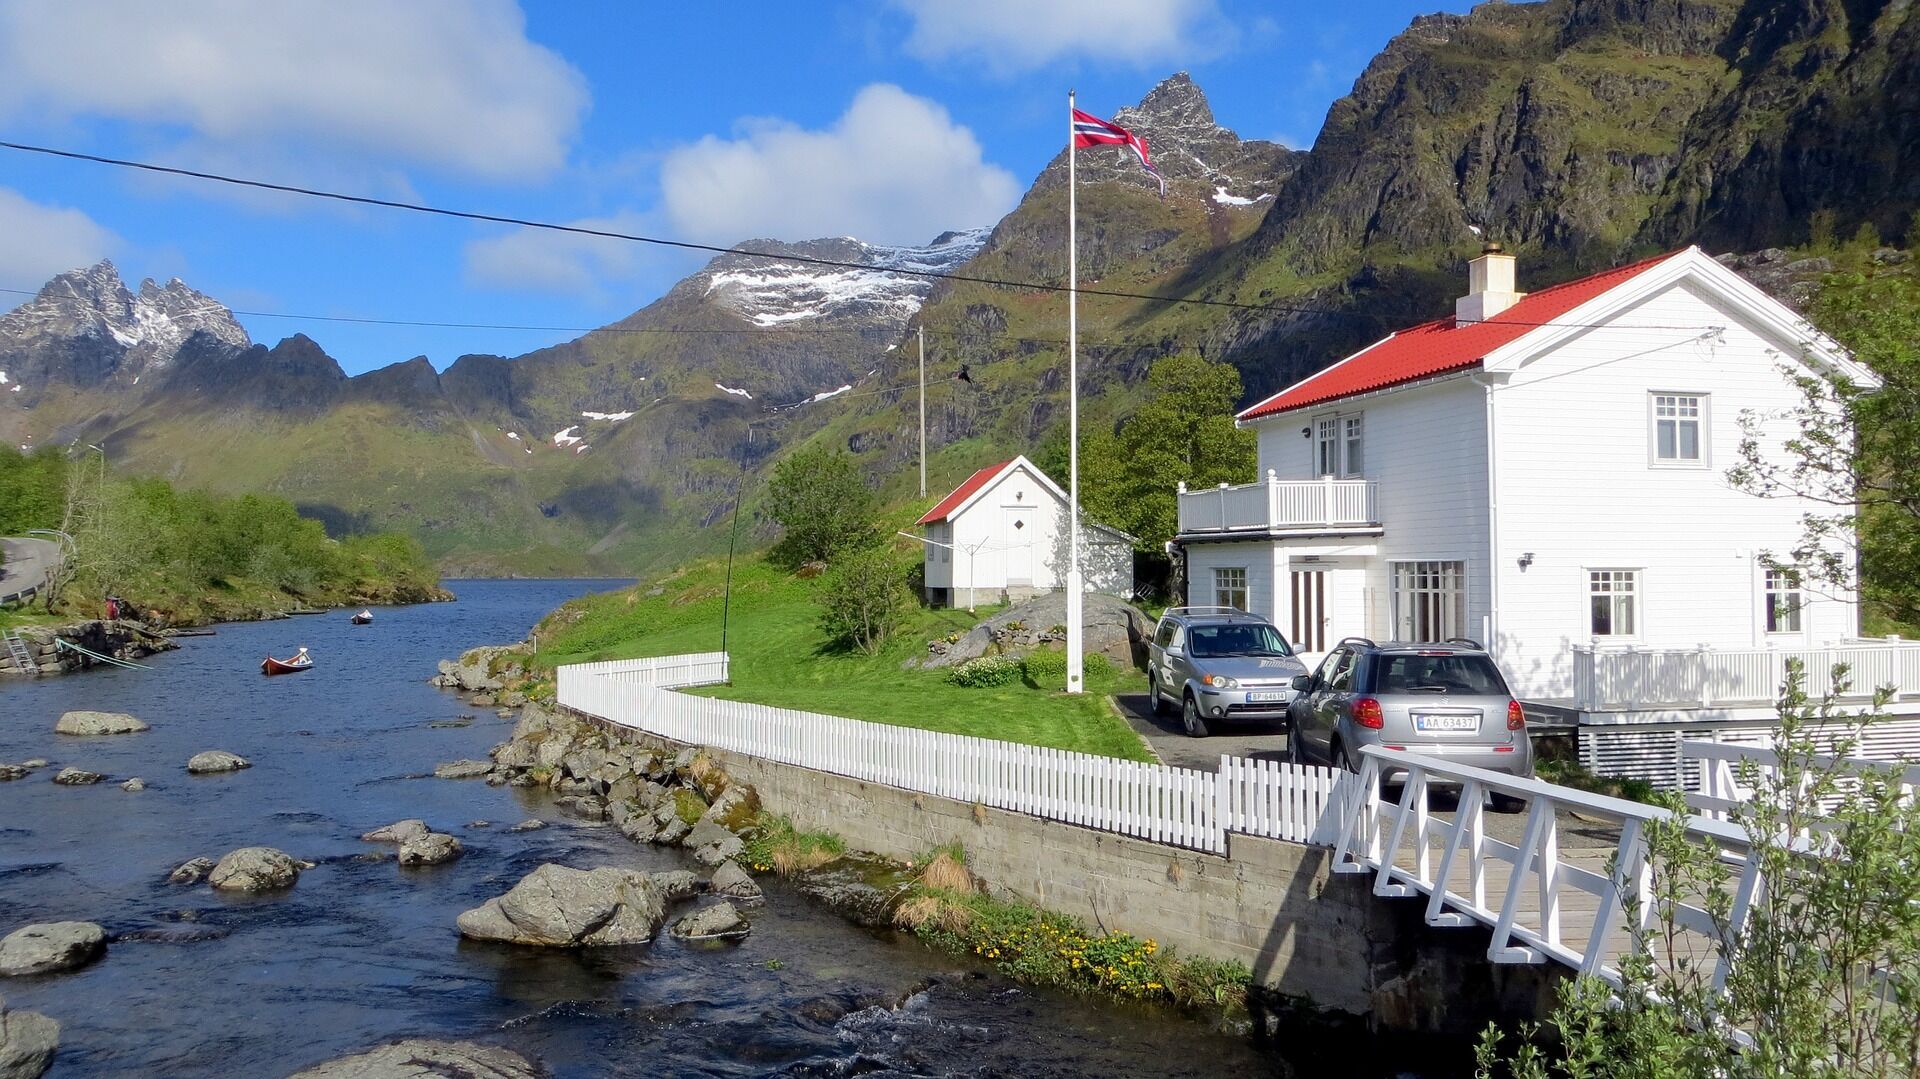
x=398 y=832
x=432 y=848
x=50 y=946
x=427 y=1058
x=481 y=700
x=515 y=755
x=37 y=762
x=98 y=723
x=77 y=777
x=676 y=884
x=479 y=824
x=463 y=769
x=724 y=851
x=721 y=921
x=559 y=907
x=736 y=809
x=214 y=761
x=672 y=831
x=733 y=882
x=12 y=771
x=255 y=869
x=191 y=871
x=639 y=827
x=27 y=1043
x=531 y=824
x=134 y=784
x=1112 y=627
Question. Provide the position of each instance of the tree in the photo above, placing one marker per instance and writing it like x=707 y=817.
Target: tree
x=1183 y=432
x=823 y=506
x=1853 y=452
x=1824 y=978
x=864 y=600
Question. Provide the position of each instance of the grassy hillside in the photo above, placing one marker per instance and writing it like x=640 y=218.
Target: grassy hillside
x=778 y=659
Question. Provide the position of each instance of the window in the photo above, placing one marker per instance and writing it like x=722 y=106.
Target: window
x=1230 y=587
x=1679 y=429
x=1429 y=600
x=1466 y=675
x=1783 y=601
x=1337 y=449
x=1339 y=671
x=1612 y=600
x=1238 y=639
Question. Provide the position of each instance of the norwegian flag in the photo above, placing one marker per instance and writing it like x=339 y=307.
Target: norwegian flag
x=1090 y=130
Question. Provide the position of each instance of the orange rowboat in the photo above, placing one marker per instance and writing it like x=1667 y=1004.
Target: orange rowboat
x=271 y=665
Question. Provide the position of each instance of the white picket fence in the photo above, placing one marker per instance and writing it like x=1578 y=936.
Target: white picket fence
x=1180 y=806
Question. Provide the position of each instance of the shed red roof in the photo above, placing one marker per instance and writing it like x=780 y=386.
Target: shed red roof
x=1443 y=345
x=963 y=492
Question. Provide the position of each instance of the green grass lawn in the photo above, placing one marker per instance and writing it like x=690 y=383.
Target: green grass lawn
x=778 y=659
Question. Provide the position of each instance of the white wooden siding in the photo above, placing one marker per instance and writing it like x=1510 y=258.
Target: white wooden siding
x=985 y=546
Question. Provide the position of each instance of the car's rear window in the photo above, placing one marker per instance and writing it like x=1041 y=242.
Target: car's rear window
x=1237 y=639
x=1465 y=675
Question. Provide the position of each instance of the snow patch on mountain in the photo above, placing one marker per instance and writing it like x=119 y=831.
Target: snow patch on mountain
x=513 y=436
x=615 y=417
x=828 y=394
x=566 y=437
x=1220 y=196
x=730 y=389
x=770 y=293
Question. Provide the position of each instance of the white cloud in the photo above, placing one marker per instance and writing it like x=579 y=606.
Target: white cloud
x=453 y=85
x=41 y=241
x=894 y=169
x=1016 y=35
x=545 y=261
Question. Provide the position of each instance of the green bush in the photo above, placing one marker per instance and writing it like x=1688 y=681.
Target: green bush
x=864 y=600
x=1047 y=670
x=987 y=672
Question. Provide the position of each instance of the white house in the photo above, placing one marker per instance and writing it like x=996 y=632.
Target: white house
x=1547 y=473
x=1002 y=535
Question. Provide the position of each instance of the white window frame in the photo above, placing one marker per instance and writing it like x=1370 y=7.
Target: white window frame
x=1635 y=593
x=1340 y=440
x=1779 y=582
x=1436 y=590
x=1223 y=589
x=1704 y=420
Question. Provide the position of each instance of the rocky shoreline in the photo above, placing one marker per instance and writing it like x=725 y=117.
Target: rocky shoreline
x=120 y=638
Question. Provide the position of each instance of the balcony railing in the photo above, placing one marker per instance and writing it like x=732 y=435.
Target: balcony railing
x=1279 y=505
x=1618 y=680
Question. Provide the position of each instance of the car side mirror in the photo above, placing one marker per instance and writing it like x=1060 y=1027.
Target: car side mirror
x=1176 y=650
x=1302 y=682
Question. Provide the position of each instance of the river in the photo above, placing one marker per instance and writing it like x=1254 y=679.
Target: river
x=197 y=983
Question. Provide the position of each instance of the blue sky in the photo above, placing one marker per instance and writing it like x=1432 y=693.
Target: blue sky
x=891 y=120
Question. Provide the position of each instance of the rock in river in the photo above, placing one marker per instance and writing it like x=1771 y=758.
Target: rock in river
x=720 y=921
x=255 y=869
x=216 y=760
x=429 y=849
x=134 y=784
x=733 y=882
x=468 y=769
x=427 y=1058
x=561 y=907
x=27 y=1043
x=50 y=946
x=98 y=723
x=77 y=777
x=191 y=871
x=398 y=832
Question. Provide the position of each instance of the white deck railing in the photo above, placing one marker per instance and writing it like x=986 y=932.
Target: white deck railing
x=1628 y=679
x=1533 y=912
x=1718 y=768
x=1181 y=806
x=1277 y=504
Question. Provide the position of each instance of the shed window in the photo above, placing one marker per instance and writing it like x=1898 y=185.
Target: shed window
x=1230 y=587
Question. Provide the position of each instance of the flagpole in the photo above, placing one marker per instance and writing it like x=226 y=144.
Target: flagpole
x=1074 y=591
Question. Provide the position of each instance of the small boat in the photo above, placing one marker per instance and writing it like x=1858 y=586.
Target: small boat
x=298 y=663
x=364 y=618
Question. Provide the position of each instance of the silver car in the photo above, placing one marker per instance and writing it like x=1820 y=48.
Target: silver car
x=1218 y=663
x=1448 y=700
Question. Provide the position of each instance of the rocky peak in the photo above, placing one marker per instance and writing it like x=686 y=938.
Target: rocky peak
x=129 y=334
x=770 y=293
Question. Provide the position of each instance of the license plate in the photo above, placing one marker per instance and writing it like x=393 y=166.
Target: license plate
x=1427 y=722
x=1263 y=696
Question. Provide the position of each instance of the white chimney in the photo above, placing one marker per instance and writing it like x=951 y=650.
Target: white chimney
x=1489 y=286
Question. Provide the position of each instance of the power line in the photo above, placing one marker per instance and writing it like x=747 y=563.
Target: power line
x=688 y=245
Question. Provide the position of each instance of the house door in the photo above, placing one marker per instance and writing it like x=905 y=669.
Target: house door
x=1310 y=610
x=1018 y=539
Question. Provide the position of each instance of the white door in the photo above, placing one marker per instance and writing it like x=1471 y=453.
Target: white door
x=1309 y=610
x=1018 y=538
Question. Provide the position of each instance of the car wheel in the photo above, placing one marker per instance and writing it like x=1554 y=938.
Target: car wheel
x=1160 y=707
x=1344 y=758
x=1190 y=717
x=1507 y=803
x=1294 y=753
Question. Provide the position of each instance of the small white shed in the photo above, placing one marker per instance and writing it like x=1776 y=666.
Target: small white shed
x=1002 y=535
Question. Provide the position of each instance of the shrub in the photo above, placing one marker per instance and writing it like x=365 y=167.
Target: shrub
x=987 y=672
x=1047 y=670
x=823 y=506
x=777 y=845
x=864 y=601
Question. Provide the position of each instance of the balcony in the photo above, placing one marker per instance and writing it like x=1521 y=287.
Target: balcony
x=1625 y=680
x=1300 y=506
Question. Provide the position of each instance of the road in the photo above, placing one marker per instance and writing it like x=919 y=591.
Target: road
x=29 y=561
x=1171 y=743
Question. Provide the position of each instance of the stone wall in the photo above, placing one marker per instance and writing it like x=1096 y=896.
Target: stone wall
x=119 y=639
x=1272 y=905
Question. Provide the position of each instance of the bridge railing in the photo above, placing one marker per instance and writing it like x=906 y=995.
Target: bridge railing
x=1533 y=912
x=1722 y=784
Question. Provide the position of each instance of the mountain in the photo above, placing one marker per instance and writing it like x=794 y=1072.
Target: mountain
x=1579 y=133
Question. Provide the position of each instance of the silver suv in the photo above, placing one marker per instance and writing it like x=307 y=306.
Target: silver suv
x=1448 y=700
x=1220 y=663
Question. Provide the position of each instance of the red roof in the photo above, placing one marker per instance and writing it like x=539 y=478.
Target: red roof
x=963 y=492
x=1442 y=346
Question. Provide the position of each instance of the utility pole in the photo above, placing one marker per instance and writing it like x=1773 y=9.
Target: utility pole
x=923 y=411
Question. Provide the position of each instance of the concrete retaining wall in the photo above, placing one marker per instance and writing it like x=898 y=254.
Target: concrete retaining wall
x=1272 y=905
